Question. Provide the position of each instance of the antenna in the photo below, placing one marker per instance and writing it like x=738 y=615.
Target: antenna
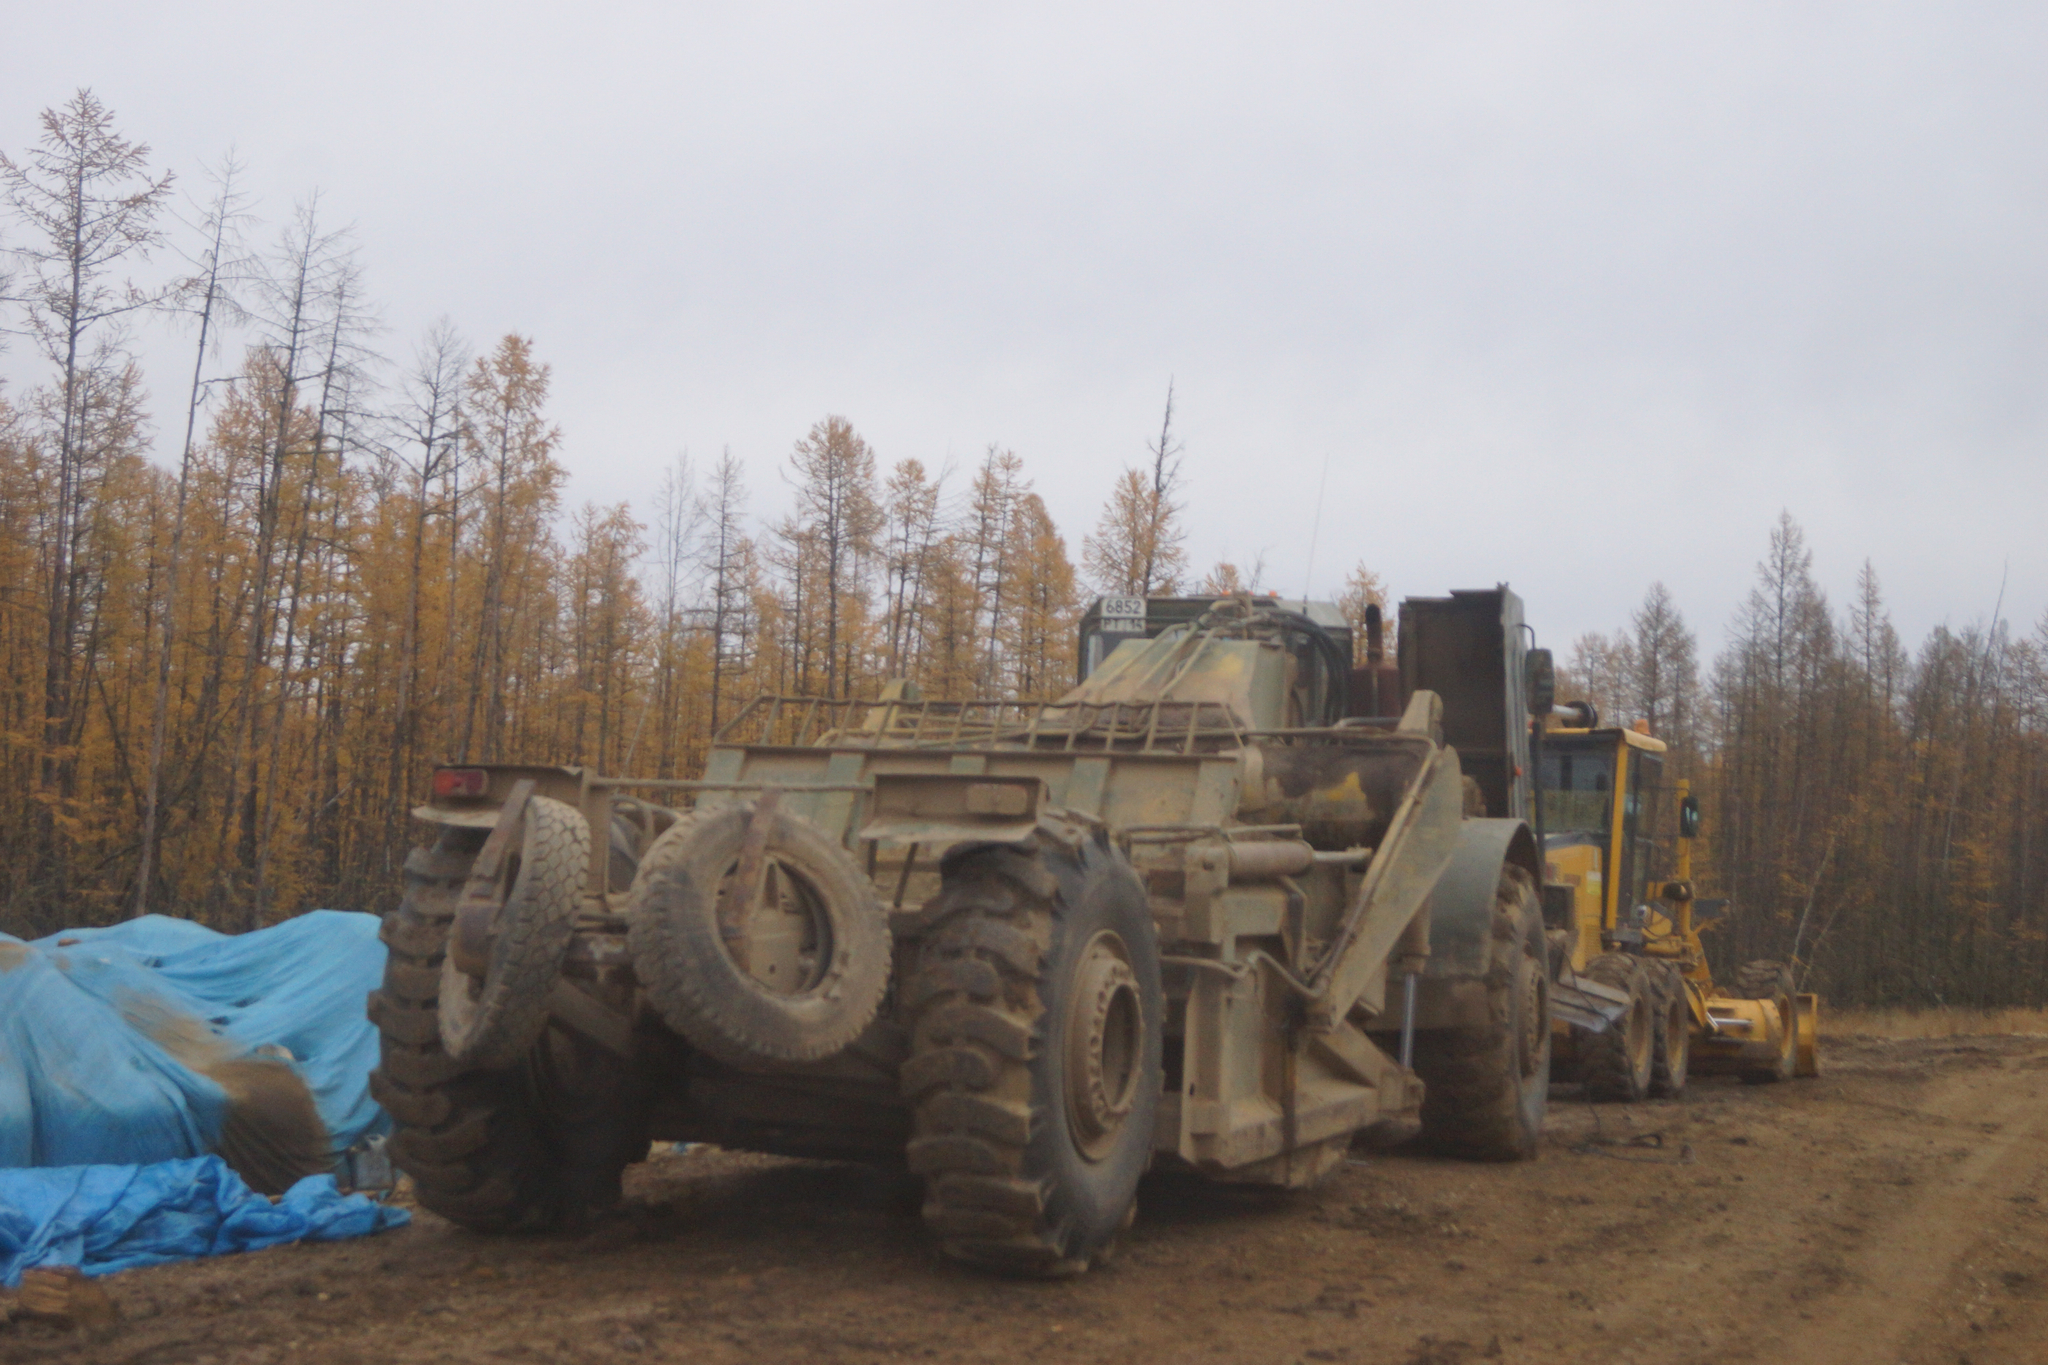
x=1994 y=643
x=1315 y=529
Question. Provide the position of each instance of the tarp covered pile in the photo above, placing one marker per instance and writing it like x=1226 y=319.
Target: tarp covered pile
x=107 y=1218
x=148 y=1040
x=160 y=1041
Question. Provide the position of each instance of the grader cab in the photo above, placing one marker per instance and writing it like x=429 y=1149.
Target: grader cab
x=1232 y=903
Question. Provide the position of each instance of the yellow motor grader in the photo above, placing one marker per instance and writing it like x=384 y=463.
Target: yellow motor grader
x=1637 y=1008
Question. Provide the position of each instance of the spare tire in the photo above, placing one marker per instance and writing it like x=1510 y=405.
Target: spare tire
x=818 y=960
x=521 y=1148
x=1765 y=979
x=492 y=1021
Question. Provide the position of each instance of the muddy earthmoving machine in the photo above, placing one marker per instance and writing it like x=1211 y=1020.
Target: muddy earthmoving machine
x=1233 y=902
x=1638 y=1008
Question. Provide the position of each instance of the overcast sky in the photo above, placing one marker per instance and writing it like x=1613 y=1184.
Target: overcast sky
x=1570 y=295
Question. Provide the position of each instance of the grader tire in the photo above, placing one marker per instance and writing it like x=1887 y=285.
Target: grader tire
x=698 y=987
x=1035 y=1057
x=1765 y=979
x=1621 y=1058
x=1485 y=1087
x=1673 y=1060
x=477 y=1143
x=1768 y=979
x=492 y=1022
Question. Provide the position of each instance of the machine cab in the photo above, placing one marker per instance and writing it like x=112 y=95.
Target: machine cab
x=1272 y=665
x=1601 y=795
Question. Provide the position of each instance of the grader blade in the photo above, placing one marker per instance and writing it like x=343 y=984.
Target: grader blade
x=1586 y=1004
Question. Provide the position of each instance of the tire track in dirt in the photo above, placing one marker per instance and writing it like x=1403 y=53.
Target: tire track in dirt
x=1894 y=1281
x=1895 y=1210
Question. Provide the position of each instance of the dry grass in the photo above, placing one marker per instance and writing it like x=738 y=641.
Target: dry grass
x=1937 y=1023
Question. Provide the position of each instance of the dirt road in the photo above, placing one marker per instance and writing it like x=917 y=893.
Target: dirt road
x=1896 y=1210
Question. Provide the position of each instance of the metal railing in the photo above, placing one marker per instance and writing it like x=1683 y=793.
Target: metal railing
x=1184 y=727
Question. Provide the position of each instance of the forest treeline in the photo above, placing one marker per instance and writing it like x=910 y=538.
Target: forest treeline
x=235 y=637
x=1874 y=813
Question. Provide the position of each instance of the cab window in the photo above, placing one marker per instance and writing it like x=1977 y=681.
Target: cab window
x=1577 y=790
x=1646 y=813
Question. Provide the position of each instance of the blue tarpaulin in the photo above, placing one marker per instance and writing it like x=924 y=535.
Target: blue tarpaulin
x=153 y=1039
x=108 y=1218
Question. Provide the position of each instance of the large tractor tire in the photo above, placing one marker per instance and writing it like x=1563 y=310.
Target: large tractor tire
x=818 y=962
x=1485 y=1087
x=1767 y=979
x=1674 y=1037
x=1621 y=1059
x=1035 y=1056
x=491 y=1021
x=481 y=1144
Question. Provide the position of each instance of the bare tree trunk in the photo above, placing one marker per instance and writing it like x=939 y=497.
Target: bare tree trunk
x=1165 y=479
x=436 y=388
x=220 y=219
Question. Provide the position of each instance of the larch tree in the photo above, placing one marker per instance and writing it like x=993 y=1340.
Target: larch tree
x=1597 y=671
x=89 y=202
x=837 y=518
x=1878 y=661
x=677 y=526
x=914 y=534
x=315 y=534
x=1038 y=650
x=23 y=502
x=511 y=444
x=994 y=544
x=1226 y=577
x=427 y=424
x=949 y=623
x=1364 y=588
x=730 y=574
x=1139 y=546
x=607 y=625
x=1769 y=686
x=793 y=555
x=209 y=297
x=304 y=307
x=1661 y=672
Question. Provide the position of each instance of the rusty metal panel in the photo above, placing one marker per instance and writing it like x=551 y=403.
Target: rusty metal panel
x=1086 y=782
x=1216 y=791
x=834 y=810
x=1470 y=649
x=1150 y=789
x=943 y=809
x=1337 y=793
x=1419 y=844
x=724 y=764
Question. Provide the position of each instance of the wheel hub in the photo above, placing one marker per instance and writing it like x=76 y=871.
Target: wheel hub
x=788 y=934
x=1535 y=1018
x=1642 y=1032
x=1105 y=1039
